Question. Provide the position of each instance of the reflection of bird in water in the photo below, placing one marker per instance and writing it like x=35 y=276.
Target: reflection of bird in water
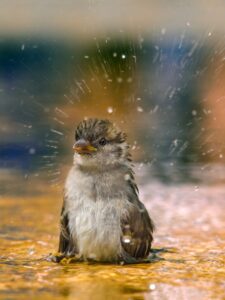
x=102 y=218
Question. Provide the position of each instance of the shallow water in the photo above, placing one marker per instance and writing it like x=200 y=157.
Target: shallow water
x=189 y=249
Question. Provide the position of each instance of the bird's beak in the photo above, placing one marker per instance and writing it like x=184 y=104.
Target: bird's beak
x=84 y=147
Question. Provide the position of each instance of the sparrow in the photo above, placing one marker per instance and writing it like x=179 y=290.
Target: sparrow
x=102 y=218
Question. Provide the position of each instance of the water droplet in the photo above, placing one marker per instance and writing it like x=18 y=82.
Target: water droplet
x=126 y=239
x=32 y=151
x=175 y=142
x=56 y=131
x=127 y=177
x=152 y=286
x=110 y=110
x=163 y=31
x=196 y=188
x=42 y=243
x=139 y=109
x=31 y=250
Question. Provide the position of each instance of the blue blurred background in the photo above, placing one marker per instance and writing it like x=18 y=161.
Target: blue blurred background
x=157 y=68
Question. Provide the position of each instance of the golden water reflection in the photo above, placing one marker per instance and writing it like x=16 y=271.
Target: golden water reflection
x=189 y=250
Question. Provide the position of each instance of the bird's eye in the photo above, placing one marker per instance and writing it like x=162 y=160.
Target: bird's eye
x=102 y=141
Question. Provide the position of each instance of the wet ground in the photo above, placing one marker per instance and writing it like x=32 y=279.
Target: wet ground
x=189 y=248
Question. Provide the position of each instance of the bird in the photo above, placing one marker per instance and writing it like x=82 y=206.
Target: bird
x=102 y=218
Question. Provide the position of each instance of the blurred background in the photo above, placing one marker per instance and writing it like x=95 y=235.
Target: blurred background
x=156 y=68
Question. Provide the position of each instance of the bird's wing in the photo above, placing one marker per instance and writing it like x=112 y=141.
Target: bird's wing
x=137 y=228
x=67 y=245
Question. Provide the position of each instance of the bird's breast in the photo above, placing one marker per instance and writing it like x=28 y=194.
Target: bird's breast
x=94 y=211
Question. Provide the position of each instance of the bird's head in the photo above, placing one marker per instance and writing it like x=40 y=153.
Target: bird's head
x=99 y=144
